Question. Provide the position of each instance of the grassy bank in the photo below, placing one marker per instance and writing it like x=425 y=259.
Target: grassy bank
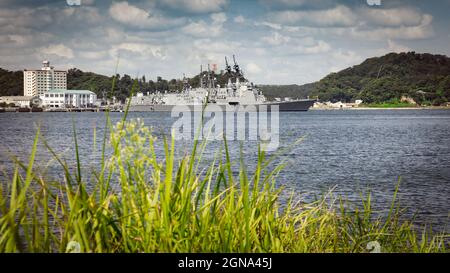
x=141 y=203
x=390 y=105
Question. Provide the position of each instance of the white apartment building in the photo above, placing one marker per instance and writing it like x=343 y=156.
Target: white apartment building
x=61 y=98
x=37 y=82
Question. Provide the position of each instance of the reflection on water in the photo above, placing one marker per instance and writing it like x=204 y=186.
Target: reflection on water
x=350 y=150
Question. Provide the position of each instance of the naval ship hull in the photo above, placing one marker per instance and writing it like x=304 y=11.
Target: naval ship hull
x=285 y=106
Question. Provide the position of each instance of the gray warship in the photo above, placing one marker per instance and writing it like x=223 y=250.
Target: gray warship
x=238 y=94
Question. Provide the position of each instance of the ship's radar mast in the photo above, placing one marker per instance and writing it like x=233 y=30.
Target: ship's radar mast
x=227 y=66
x=237 y=69
x=209 y=78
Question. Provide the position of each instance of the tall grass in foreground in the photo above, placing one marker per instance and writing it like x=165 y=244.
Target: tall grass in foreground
x=144 y=204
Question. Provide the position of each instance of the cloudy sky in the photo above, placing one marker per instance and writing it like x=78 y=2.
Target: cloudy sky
x=276 y=41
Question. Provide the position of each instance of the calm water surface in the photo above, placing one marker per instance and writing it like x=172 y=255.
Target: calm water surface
x=350 y=151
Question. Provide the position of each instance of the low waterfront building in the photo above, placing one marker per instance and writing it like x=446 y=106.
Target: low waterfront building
x=18 y=101
x=38 y=81
x=337 y=105
x=62 y=98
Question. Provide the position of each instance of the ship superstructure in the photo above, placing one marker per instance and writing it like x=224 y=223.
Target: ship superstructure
x=237 y=92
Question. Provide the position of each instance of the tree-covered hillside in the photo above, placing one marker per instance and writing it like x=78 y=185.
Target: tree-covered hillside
x=290 y=91
x=11 y=83
x=79 y=80
x=424 y=77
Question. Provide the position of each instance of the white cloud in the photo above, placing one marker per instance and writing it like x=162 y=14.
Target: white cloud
x=131 y=15
x=92 y=55
x=269 y=25
x=290 y=45
x=205 y=29
x=341 y=59
x=84 y=14
x=26 y=17
x=128 y=14
x=360 y=23
x=112 y=34
x=295 y=4
x=196 y=6
x=208 y=50
x=276 y=39
x=19 y=43
x=218 y=18
x=20 y=40
x=375 y=24
x=140 y=49
x=202 y=29
x=422 y=31
x=216 y=46
x=391 y=17
x=340 y=16
x=284 y=3
x=253 y=69
x=395 y=47
x=58 y=50
x=239 y=19
x=320 y=47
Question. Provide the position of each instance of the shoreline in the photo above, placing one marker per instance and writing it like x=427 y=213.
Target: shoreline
x=10 y=110
x=381 y=108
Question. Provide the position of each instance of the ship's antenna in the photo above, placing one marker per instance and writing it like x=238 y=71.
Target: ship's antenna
x=227 y=66
x=209 y=77
x=236 y=67
x=201 y=76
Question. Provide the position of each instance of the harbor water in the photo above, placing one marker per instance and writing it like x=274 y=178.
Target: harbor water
x=350 y=152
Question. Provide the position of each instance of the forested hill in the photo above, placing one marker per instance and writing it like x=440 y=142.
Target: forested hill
x=291 y=91
x=11 y=83
x=424 y=77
